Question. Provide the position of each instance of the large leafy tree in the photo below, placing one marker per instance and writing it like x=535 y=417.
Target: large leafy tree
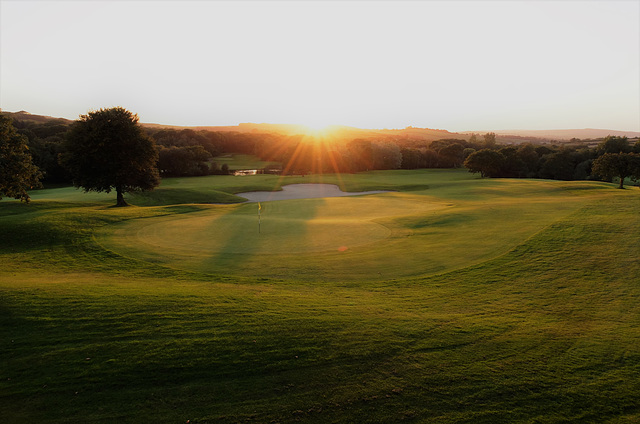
x=614 y=144
x=17 y=171
x=108 y=150
x=621 y=165
x=488 y=163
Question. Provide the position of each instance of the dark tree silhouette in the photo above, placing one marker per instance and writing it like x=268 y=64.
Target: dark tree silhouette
x=488 y=163
x=17 y=171
x=107 y=150
x=621 y=165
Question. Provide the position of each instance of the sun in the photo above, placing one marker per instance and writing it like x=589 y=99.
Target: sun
x=316 y=132
x=320 y=129
x=317 y=124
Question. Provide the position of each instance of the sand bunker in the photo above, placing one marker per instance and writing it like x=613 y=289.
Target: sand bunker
x=302 y=191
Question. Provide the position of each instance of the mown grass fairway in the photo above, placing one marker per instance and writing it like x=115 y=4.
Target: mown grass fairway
x=458 y=300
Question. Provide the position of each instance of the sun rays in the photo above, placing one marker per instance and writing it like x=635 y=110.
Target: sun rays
x=315 y=152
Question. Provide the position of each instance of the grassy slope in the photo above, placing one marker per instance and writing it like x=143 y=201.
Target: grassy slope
x=548 y=332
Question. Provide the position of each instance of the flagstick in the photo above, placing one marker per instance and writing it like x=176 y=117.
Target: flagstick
x=259 y=209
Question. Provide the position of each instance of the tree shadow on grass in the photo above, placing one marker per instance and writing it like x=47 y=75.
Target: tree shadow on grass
x=259 y=241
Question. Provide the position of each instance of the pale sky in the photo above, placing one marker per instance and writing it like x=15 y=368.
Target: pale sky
x=456 y=65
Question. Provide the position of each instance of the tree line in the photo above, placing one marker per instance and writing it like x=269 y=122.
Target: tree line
x=613 y=157
x=58 y=151
x=187 y=152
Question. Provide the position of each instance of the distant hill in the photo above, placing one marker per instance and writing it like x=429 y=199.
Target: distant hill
x=339 y=131
x=345 y=132
x=26 y=116
x=257 y=128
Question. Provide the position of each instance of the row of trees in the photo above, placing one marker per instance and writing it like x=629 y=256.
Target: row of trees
x=299 y=154
x=186 y=152
x=613 y=157
x=182 y=152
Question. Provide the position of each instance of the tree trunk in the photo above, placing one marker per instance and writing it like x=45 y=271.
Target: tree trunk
x=120 y=197
x=621 y=181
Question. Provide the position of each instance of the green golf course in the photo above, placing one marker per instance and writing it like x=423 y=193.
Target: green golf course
x=447 y=299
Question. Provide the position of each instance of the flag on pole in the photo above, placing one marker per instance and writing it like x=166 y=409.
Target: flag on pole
x=259 y=209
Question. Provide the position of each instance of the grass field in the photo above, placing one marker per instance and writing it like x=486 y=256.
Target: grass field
x=451 y=299
x=235 y=161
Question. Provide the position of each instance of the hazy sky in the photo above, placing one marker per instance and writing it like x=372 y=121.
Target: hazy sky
x=456 y=65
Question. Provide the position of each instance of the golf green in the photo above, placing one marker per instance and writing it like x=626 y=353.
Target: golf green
x=340 y=238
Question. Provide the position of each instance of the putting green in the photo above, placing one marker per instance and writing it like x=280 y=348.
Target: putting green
x=379 y=236
x=285 y=227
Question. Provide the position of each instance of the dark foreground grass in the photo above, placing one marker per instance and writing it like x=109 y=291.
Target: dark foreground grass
x=547 y=333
